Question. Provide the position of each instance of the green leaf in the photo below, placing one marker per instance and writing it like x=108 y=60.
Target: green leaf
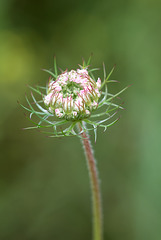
x=106 y=78
x=38 y=105
x=55 y=67
x=89 y=60
x=117 y=94
x=35 y=90
x=51 y=73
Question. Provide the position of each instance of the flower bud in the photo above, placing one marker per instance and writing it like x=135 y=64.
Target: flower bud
x=73 y=95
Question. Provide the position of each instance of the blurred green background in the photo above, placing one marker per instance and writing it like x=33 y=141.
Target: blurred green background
x=44 y=187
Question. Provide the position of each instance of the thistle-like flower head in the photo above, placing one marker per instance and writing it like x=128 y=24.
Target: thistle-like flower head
x=71 y=97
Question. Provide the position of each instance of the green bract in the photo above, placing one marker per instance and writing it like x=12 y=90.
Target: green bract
x=71 y=97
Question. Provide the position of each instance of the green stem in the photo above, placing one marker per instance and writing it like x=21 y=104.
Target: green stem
x=95 y=188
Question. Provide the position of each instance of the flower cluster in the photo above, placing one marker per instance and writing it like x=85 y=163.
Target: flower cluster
x=73 y=95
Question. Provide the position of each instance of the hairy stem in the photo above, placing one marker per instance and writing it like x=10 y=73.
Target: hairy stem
x=95 y=188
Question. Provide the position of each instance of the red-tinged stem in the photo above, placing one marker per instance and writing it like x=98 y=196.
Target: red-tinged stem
x=95 y=188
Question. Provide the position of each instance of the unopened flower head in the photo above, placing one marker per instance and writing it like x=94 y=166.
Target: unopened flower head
x=73 y=95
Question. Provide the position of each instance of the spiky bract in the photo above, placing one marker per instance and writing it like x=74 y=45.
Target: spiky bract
x=72 y=97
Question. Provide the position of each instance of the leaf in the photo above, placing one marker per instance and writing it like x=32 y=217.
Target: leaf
x=38 y=105
x=106 y=78
x=51 y=73
x=35 y=90
x=55 y=67
x=117 y=94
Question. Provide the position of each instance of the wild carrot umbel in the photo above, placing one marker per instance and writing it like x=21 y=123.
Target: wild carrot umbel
x=72 y=104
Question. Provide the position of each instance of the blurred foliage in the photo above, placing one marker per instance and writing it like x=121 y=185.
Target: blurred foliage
x=44 y=189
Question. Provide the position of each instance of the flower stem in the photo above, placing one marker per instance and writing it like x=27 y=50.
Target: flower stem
x=95 y=188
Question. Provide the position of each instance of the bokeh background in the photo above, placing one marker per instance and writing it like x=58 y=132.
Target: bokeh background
x=44 y=188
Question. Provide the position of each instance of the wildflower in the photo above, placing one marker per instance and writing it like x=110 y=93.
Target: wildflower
x=71 y=97
x=75 y=103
